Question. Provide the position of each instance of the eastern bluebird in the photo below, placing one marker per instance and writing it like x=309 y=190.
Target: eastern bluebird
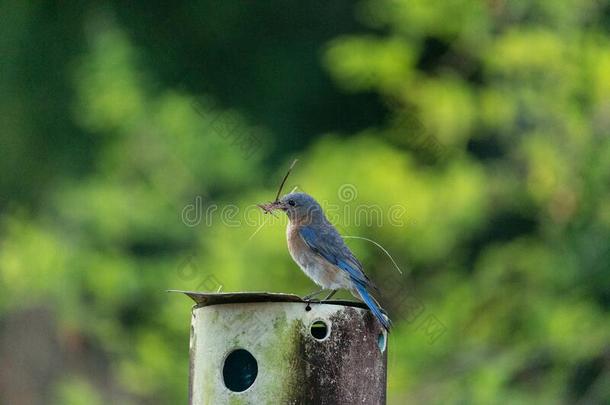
x=319 y=250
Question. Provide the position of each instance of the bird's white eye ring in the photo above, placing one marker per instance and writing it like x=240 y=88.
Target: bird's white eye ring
x=291 y=202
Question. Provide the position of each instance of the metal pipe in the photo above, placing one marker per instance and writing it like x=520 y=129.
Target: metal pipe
x=263 y=348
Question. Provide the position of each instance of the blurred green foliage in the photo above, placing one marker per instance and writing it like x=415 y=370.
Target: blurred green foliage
x=487 y=121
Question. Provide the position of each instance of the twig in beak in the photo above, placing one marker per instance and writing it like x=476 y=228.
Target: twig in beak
x=279 y=191
x=269 y=207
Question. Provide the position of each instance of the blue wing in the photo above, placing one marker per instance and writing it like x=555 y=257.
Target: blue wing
x=327 y=242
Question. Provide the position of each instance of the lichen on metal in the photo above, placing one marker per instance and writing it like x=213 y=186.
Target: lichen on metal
x=340 y=363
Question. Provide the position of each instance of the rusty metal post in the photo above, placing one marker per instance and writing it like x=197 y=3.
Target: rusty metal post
x=263 y=348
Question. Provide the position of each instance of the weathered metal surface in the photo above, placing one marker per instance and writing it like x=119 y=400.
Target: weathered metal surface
x=205 y=299
x=345 y=367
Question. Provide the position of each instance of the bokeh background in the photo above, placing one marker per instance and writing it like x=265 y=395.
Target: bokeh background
x=487 y=121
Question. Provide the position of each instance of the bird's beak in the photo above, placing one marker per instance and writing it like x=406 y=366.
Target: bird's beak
x=272 y=206
x=278 y=205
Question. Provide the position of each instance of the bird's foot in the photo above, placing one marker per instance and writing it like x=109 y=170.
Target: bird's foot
x=312 y=300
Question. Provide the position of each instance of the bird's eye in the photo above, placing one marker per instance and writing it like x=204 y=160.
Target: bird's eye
x=291 y=202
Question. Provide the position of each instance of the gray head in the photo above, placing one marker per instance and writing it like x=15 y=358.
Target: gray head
x=300 y=207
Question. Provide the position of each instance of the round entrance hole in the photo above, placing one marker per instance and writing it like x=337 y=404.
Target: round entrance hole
x=240 y=370
x=319 y=330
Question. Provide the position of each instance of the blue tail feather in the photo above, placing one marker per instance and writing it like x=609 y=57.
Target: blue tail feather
x=373 y=306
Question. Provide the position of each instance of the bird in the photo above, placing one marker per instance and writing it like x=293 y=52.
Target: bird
x=319 y=250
